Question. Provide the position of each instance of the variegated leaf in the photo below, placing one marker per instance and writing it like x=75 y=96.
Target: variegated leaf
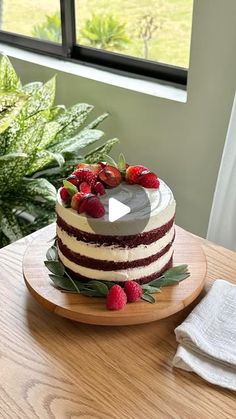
x=75 y=144
x=9 y=224
x=97 y=154
x=39 y=190
x=71 y=120
x=8 y=77
x=10 y=105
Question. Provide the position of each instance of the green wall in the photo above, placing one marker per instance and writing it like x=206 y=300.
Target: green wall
x=183 y=142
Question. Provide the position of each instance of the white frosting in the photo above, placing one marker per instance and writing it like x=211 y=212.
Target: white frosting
x=121 y=275
x=114 y=253
x=154 y=208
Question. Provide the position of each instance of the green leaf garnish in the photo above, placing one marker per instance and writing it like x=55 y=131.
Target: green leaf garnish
x=121 y=163
x=70 y=187
x=109 y=160
x=149 y=298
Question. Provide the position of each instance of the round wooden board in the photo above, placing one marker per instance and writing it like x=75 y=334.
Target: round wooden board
x=93 y=310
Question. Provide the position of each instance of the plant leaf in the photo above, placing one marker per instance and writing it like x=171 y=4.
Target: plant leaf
x=97 y=154
x=11 y=104
x=55 y=267
x=52 y=253
x=39 y=190
x=71 y=120
x=148 y=289
x=121 y=163
x=63 y=283
x=8 y=77
x=97 y=121
x=109 y=160
x=149 y=298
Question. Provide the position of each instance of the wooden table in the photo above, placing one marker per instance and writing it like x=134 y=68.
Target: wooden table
x=51 y=367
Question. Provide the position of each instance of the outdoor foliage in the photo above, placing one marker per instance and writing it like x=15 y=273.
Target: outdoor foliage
x=50 y=29
x=106 y=32
x=40 y=143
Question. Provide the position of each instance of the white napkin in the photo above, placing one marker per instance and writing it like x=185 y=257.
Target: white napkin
x=207 y=338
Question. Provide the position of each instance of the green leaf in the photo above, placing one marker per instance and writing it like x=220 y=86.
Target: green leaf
x=75 y=144
x=8 y=77
x=109 y=160
x=55 y=267
x=97 y=121
x=150 y=289
x=71 y=120
x=99 y=287
x=52 y=253
x=11 y=104
x=70 y=187
x=97 y=154
x=149 y=298
x=121 y=163
x=9 y=224
x=63 y=283
x=40 y=99
x=39 y=190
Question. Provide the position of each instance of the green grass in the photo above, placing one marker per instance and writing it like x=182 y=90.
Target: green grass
x=170 y=44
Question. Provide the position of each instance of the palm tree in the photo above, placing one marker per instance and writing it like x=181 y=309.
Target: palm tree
x=50 y=29
x=106 y=32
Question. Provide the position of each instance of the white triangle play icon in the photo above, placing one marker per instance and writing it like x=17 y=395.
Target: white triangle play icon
x=117 y=209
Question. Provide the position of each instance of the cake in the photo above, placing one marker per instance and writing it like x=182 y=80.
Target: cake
x=138 y=246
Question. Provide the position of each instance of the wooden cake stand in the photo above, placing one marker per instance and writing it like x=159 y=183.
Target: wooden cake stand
x=93 y=310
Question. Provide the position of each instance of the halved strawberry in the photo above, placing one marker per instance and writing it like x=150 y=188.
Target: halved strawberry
x=149 y=180
x=76 y=198
x=85 y=187
x=110 y=176
x=83 y=202
x=133 y=173
x=95 y=168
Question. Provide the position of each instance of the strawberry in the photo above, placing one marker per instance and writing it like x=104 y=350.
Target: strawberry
x=133 y=173
x=74 y=180
x=76 y=198
x=83 y=202
x=133 y=291
x=99 y=189
x=110 y=176
x=94 y=207
x=149 y=180
x=116 y=298
x=95 y=168
x=64 y=194
x=85 y=187
x=85 y=175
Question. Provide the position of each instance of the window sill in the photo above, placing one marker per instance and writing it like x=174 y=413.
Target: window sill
x=135 y=84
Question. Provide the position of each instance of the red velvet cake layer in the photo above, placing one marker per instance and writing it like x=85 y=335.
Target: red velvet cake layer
x=143 y=280
x=121 y=241
x=106 y=265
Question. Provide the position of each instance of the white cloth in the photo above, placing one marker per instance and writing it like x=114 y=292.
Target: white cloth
x=207 y=338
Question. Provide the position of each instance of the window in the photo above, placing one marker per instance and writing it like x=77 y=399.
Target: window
x=144 y=37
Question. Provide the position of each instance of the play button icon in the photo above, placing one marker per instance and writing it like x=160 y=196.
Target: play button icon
x=117 y=209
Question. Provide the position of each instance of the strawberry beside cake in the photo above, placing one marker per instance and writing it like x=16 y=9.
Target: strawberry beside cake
x=137 y=246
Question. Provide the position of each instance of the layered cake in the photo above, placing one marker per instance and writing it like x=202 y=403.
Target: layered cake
x=137 y=246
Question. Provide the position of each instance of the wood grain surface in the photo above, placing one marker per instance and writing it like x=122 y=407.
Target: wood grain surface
x=51 y=367
x=187 y=249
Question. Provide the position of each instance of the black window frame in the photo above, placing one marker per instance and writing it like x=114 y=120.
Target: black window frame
x=115 y=62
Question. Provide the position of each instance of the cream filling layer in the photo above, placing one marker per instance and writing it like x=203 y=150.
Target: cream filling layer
x=113 y=253
x=121 y=275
